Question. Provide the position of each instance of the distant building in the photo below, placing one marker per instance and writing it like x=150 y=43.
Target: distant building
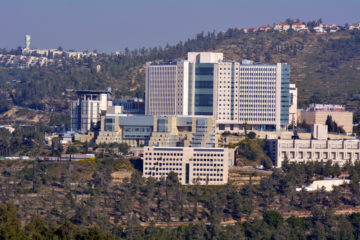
x=318 y=149
x=354 y=26
x=265 y=28
x=19 y=61
x=282 y=27
x=208 y=166
x=252 y=30
x=319 y=28
x=86 y=110
x=326 y=184
x=318 y=113
x=53 y=53
x=27 y=41
x=298 y=27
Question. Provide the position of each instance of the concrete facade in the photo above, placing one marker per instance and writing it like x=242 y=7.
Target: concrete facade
x=170 y=131
x=293 y=110
x=235 y=93
x=192 y=165
x=317 y=114
x=256 y=94
x=86 y=110
x=339 y=151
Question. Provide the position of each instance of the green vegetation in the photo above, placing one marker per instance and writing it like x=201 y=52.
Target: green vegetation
x=79 y=201
x=332 y=125
x=325 y=68
x=251 y=151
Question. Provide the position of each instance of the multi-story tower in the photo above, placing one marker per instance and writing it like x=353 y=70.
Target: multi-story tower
x=86 y=110
x=255 y=94
x=236 y=93
x=27 y=42
x=160 y=88
x=182 y=88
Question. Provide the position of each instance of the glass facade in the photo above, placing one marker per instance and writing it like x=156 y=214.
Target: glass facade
x=162 y=125
x=190 y=98
x=285 y=95
x=109 y=124
x=137 y=132
x=204 y=84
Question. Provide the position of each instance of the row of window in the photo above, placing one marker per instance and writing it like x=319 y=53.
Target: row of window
x=164 y=154
x=324 y=155
x=207 y=160
x=164 y=169
x=167 y=164
x=208 y=174
x=208 y=154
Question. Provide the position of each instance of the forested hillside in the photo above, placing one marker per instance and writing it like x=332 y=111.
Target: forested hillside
x=325 y=67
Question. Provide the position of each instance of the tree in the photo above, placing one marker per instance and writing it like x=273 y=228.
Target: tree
x=10 y=226
x=251 y=135
x=273 y=218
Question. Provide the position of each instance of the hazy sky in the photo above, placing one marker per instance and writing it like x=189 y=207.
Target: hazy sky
x=112 y=25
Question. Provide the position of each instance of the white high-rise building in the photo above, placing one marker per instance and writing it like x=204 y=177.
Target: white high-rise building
x=255 y=94
x=86 y=110
x=182 y=87
x=236 y=93
x=160 y=89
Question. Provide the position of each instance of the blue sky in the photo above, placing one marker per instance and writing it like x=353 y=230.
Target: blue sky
x=112 y=25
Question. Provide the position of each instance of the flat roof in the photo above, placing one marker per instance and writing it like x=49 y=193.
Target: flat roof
x=201 y=149
x=92 y=91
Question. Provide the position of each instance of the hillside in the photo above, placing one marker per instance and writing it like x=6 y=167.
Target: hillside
x=325 y=67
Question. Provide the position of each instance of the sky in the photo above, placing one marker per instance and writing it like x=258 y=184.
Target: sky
x=112 y=25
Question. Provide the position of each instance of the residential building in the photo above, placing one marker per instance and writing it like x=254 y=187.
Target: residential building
x=265 y=28
x=317 y=149
x=165 y=131
x=86 y=109
x=319 y=28
x=299 y=27
x=282 y=27
x=192 y=165
x=318 y=113
x=354 y=26
x=252 y=30
x=293 y=105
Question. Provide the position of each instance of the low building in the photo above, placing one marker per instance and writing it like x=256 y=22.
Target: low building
x=282 y=27
x=317 y=149
x=170 y=131
x=326 y=184
x=299 y=27
x=265 y=28
x=319 y=28
x=318 y=113
x=192 y=165
x=354 y=26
